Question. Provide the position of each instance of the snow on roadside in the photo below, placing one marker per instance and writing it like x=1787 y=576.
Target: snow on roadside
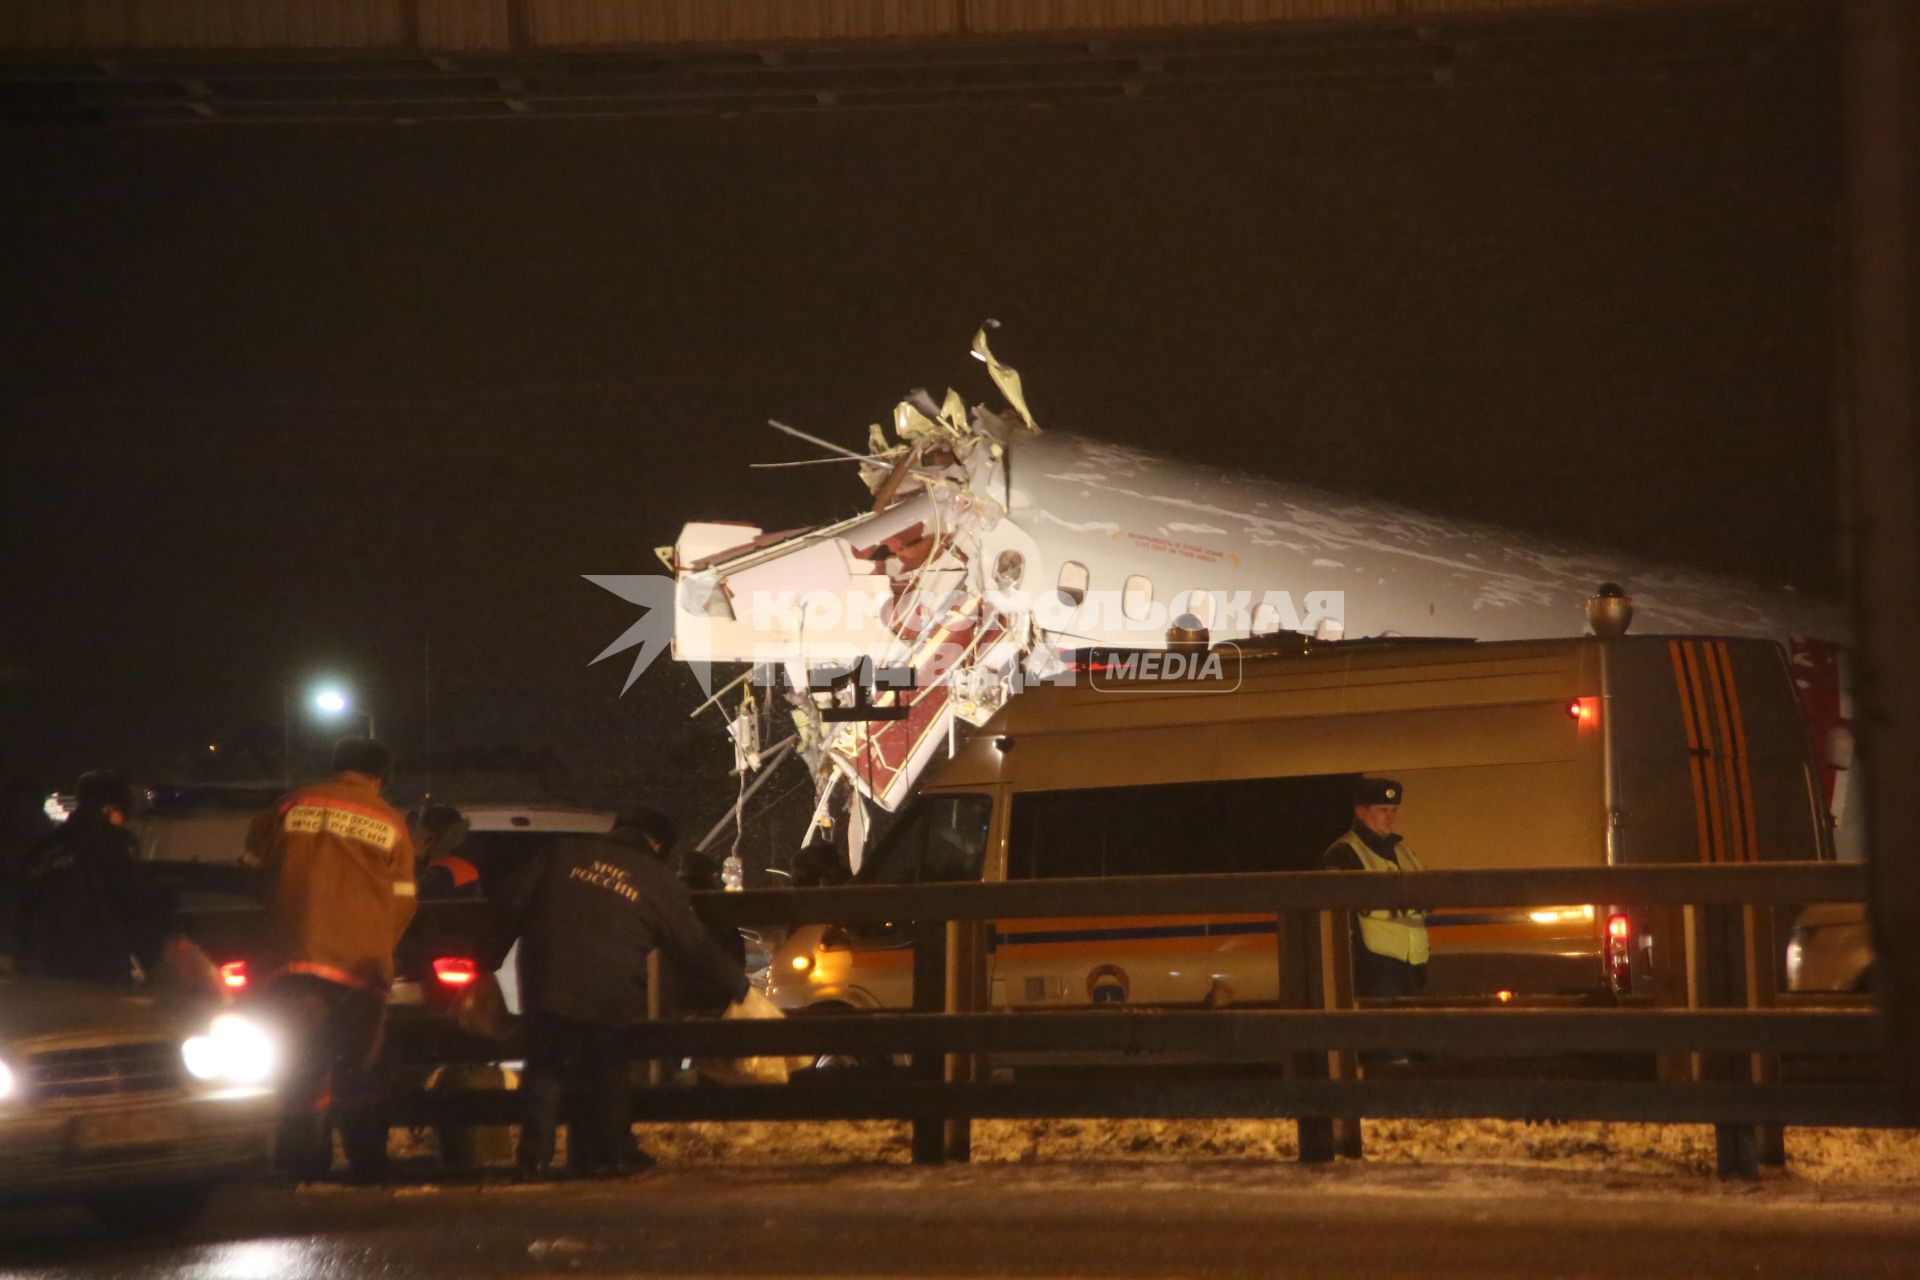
x=1819 y=1156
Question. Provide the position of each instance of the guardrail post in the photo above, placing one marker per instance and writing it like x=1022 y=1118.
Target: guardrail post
x=660 y=1071
x=1757 y=935
x=1715 y=962
x=1336 y=992
x=929 y=996
x=966 y=992
x=1298 y=957
x=1672 y=981
x=1295 y=954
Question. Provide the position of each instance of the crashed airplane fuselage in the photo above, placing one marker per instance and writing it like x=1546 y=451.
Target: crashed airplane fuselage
x=991 y=552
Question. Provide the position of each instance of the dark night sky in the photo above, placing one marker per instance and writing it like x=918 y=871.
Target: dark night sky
x=289 y=399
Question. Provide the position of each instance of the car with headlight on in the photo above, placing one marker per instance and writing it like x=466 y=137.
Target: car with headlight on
x=135 y=1108
x=1831 y=949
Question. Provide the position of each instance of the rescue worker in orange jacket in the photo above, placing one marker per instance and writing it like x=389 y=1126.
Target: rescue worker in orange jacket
x=440 y=835
x=336 y=873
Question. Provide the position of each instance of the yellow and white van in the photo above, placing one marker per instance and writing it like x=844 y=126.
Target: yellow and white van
x=1548 y=753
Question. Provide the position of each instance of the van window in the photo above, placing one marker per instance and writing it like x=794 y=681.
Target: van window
x=1257 y=824
x=941 y=838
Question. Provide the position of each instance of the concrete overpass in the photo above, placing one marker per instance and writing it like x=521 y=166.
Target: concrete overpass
x=199 y=62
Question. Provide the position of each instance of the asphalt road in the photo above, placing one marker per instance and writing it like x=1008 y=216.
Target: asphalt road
x=1156 y=1220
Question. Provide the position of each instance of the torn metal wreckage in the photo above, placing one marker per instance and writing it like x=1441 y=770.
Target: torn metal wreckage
x=991 y=555
x=884 y=630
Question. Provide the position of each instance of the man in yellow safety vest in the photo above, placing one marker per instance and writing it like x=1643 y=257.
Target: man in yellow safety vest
x=1391 y=959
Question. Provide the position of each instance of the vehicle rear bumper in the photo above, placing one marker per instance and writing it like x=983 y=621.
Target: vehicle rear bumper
x=1482 y=973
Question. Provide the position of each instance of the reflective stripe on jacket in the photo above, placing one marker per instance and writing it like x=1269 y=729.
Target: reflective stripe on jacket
x=1398 y=935
x=337 y=878
x=450 y=876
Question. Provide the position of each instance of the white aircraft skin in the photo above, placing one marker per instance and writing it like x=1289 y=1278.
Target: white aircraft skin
x=1004 y=547
x=1123 y=512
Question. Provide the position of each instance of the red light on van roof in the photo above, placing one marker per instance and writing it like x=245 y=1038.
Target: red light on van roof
x=233 y=975
x=455 y=971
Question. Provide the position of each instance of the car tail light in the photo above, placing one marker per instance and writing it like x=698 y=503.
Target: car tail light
x=455 y=971
x=233 y=975
x=1620 y=953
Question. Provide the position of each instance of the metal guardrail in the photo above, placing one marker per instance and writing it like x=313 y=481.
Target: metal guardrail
x=1716 y=1033
x=1760 y=884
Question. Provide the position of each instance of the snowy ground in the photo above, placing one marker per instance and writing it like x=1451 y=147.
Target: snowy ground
x=1813 y=1155
x=1824 y=1164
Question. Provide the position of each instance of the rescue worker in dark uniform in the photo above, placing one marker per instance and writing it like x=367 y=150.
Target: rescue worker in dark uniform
x=87 y=911
x=444 y=869
x=1390 y=958
x=587 y=916
x=336 y=873
x=23 y=824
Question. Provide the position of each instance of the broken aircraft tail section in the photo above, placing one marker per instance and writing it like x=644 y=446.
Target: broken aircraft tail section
x=990 y=551
x=906 y=590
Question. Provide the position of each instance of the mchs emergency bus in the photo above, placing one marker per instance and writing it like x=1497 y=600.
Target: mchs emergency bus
x=1545 y=753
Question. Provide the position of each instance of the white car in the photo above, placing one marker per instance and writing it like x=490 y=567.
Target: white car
x=133 y=1108
x=202 y=822
x=1831 y=949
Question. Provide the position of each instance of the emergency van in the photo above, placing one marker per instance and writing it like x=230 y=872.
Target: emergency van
x=1580 y=752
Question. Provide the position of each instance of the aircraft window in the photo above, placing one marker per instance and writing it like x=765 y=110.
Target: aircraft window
x=942 y=838
x=1255 y=824
x=1136 y=597
x=1266 y=618
x=1197 y=603
x=1073 y=582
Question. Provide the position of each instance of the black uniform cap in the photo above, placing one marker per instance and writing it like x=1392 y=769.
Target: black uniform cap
x=639 y=821
x=1371 y=791
x=103 y=789
x=436 y=818
x=363 y=755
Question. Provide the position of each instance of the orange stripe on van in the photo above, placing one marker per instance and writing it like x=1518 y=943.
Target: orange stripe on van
x=1697 y=688
x=1729 y=762
x=1693 y=749
x=1715 y=693
x=1741 y=758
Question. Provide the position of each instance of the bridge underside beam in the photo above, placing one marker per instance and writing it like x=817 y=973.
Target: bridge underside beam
x=1405 y=54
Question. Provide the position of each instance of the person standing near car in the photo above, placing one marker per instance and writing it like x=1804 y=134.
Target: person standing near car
x=587 y=916
x=23 y=824
x=87 y=911
x=335 y=867
x=445 y=871
x=1391 y=958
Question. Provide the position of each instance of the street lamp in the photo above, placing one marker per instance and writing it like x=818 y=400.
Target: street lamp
x=332 y=702
x=329 y=702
